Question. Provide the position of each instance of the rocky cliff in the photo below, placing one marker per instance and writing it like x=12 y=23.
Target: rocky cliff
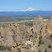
x=19 y=37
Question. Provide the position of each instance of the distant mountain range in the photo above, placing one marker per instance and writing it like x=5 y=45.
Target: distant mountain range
x=25 y=13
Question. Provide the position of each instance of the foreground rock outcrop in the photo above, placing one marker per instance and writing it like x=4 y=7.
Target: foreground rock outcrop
x=19 y=37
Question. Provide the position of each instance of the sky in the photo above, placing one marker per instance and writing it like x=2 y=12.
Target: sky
x=25 y=5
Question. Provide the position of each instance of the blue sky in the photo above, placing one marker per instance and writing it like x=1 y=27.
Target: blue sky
x=20 y=5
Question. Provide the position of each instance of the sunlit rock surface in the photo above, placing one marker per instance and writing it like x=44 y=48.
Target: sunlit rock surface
x=19 y=37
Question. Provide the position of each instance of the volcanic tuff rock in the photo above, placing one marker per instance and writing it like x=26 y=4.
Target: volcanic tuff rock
x=18 y=37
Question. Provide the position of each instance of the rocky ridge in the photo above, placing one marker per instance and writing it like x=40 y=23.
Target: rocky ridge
x=15 y=37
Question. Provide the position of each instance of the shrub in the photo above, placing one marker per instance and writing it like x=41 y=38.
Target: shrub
x=40 y=40
x=51 y=36
x=3 y=48
x=39 y=50
x=19 y=49
x=45 y=50
x=49 y=46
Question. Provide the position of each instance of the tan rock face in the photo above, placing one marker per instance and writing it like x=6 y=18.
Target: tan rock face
x=43 y=31
x=18 y=37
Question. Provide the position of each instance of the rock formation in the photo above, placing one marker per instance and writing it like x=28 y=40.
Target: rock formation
x=18 y=37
